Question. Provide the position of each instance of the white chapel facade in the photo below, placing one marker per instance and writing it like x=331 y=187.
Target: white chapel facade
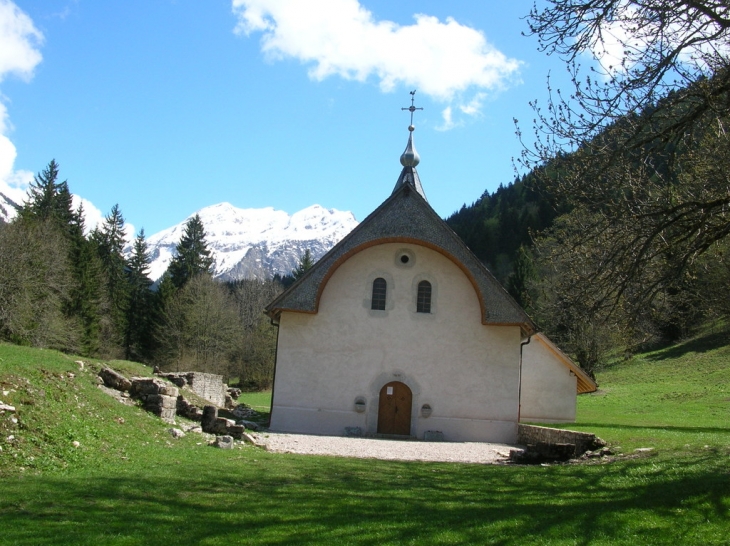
x=400 y=330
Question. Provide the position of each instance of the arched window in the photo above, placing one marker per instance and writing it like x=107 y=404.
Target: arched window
x=379 y=291
x=423 y=300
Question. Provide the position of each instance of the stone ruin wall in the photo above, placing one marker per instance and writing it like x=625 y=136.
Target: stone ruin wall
x=207 y=385
x=532 y=435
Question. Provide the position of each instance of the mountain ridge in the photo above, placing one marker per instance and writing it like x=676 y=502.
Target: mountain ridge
x=255 y=243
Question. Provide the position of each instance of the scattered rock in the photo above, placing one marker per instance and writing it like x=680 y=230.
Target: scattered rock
x=223 y=442
x=242 y=411
x=6 y=407
x=176 y=432
x=250 y=425
x=249 y=439
x=643 y=449
x=75 y=443
x=191 y=428
x=80 y=364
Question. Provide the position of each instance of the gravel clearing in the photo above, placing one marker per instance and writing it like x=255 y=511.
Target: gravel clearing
x=377 y=448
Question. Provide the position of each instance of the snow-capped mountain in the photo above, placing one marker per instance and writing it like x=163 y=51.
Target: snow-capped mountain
x=256 y=243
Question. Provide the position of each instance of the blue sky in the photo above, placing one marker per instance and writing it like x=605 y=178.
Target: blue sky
x=168 y=106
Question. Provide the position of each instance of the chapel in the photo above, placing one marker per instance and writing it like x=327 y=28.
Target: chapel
x=400 y=331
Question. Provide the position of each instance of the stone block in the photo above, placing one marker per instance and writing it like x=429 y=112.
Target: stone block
x=114 y=380
x=146 y=385
x=169 y=390
x=222 y=425
x=164 y=413
x=161 y=400
x=236 y=431
x=208 y=420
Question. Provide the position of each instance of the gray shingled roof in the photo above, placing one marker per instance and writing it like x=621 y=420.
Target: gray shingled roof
x=409 y=175
x=405 y=217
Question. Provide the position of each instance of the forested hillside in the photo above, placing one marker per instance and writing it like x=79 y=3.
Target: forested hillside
x=496 y=225
x=619 y=235
x=61 y=288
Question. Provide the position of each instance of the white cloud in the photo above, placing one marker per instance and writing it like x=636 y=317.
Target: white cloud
x=450 y=62
x=18 y=56
x=19 y=40
x=448 y=120
x=474 y=107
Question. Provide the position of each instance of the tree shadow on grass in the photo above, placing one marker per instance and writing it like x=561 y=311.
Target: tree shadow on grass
x=721 y=430
x=315 y=500
x=702 y=344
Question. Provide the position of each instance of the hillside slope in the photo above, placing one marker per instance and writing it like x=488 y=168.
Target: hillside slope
x=128 y=482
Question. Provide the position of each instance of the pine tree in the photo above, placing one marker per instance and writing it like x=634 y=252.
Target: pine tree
x=49 y=199
x=138 y=333
x=305 y=264
x=192 y=256
x=110 y=243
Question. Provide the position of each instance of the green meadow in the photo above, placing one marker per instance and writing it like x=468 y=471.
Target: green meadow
x=78 y=467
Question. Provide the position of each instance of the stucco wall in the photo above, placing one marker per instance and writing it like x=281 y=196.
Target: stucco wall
x=467 y=372
x=548 y=386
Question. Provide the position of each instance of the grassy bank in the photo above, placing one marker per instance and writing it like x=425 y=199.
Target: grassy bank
x=129 y=482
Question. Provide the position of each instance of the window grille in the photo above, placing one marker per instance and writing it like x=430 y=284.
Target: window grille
x=379 y=292
x=423 y=300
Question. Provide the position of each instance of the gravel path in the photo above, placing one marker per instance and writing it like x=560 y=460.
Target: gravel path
x=376 y=448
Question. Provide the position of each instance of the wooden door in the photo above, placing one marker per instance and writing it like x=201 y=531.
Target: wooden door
x=394 y=409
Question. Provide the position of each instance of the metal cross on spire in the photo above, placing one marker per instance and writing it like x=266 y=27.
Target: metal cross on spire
x=412 y=109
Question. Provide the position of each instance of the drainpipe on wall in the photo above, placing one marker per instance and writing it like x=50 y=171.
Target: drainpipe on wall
x=273 y=379
x=519 y=388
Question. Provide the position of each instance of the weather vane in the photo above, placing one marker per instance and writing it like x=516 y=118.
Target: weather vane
x=412 y=109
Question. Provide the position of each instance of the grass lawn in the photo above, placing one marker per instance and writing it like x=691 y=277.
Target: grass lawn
x=129 y=482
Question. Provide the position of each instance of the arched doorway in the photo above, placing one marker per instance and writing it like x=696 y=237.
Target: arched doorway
x=394 y=409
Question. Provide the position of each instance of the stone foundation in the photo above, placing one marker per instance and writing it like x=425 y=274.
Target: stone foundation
x=552 y=444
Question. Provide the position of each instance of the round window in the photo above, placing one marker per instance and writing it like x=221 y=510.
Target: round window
x=404 y=258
